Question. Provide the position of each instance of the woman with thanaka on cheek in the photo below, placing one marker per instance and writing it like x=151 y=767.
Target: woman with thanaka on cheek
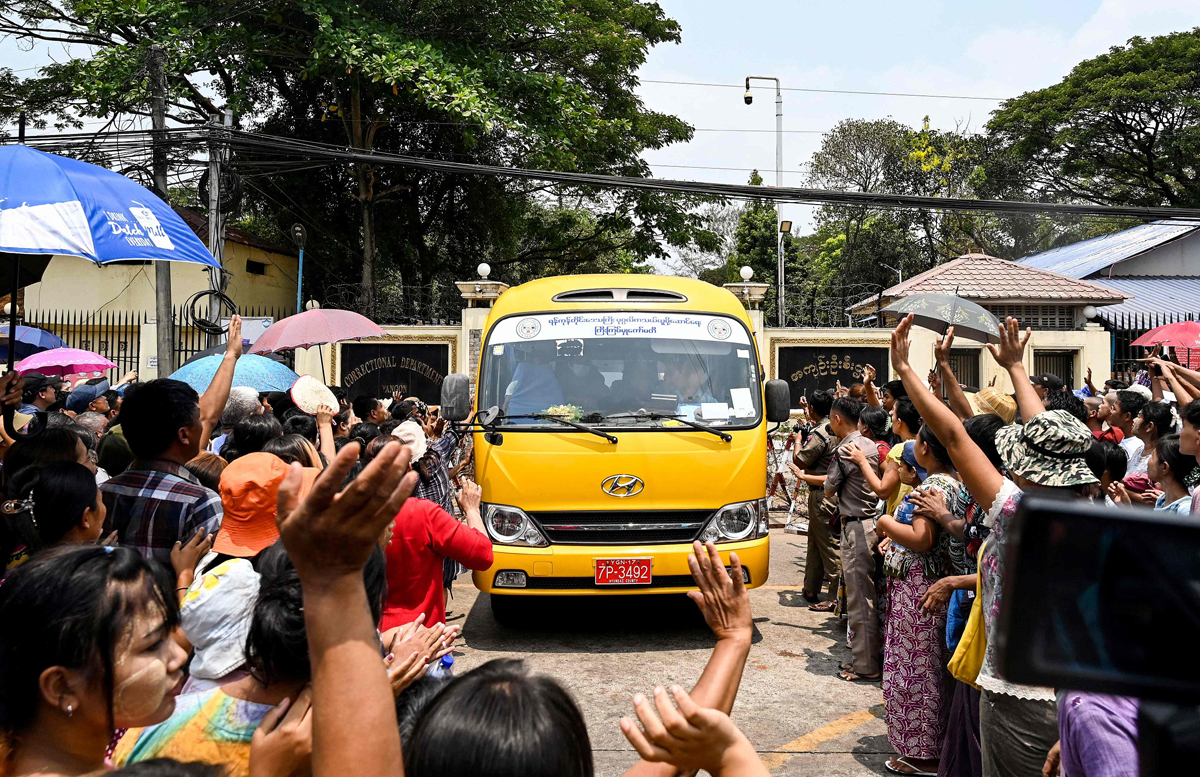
x=86 y=650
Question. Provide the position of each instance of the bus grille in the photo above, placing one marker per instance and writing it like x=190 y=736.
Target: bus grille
x=626 y=527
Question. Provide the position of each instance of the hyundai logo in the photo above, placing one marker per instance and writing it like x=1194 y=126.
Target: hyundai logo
x=622 y=485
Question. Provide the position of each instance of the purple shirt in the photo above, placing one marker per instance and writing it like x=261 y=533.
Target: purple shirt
x=1098 y=734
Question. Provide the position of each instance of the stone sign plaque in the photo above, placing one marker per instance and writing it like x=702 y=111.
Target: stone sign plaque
x=810 y=368
x=380 y=368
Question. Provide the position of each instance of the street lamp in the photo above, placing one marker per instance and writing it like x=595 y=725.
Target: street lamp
x=778 y=178
x=299 y=237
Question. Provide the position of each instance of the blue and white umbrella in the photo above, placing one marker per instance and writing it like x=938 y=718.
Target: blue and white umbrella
x=30 y=340
x=51 y=204
x=257 y=372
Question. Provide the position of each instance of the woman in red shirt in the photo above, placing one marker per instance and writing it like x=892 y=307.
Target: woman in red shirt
x=423 y=535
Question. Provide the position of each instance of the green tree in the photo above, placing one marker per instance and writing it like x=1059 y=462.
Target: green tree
x=532 y=83
x=1122 y=128
x=756 y=246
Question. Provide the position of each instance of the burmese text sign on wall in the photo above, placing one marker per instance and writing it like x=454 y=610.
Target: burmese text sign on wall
x=810 y=368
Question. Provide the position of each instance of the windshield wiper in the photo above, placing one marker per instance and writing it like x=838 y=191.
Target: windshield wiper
x=653 y=416
x=565 y=422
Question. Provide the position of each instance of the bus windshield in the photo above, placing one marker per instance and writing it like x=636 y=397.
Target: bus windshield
x=621 y=370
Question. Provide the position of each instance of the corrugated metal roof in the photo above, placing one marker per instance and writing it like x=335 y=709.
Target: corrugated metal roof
x=1153 y=294
x=1081 y=259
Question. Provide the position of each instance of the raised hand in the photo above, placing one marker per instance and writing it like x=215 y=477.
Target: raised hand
x=1011 y=349
x=941 y=351
x=868 y=374
x=471 y=495
x=935 y=381
x=282 y=743
x=325 y=415
x=185 y=557
x=722 y=598
x=330 y=534
x=900 y=344
x=690 y=737
x=233 y=346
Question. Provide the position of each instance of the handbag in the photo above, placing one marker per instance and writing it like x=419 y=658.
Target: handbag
x=968 y=656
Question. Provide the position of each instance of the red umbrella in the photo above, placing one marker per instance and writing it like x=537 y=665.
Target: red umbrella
x=315 y=327
x=1184 y=334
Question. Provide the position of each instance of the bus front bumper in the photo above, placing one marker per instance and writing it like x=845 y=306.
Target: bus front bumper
x=570 y=570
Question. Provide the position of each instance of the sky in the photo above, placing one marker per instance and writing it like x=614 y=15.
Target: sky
x=982 y=48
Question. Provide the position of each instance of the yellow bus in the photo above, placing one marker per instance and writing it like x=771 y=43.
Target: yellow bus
x=617 y=419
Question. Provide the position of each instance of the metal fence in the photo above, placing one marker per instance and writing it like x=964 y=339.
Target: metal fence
x=1127 y=327
x=116 y=334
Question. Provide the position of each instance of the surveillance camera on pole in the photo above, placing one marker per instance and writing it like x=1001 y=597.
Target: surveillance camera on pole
x=749 y=97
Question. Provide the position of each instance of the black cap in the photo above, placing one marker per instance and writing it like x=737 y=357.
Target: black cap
x=1047 y=381
x=36 y=381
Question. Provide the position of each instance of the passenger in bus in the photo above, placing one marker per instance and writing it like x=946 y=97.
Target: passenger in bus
x=633 y=390
x=534 y=386
x=582 y=385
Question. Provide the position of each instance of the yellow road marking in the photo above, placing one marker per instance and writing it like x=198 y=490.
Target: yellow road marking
x=810 y=741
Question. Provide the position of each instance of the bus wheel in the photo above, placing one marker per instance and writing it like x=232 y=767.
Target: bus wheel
x=507 y=610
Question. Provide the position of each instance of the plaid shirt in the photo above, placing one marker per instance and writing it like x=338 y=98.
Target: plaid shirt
x=438 y=488
x=154 y=504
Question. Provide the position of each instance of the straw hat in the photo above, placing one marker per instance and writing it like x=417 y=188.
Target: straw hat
x=249 y=492
x=989 y=400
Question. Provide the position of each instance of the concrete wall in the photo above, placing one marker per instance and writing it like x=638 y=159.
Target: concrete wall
x=71 y=283
x=1181 y=257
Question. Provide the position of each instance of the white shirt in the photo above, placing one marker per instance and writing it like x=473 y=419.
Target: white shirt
x=1133 y=452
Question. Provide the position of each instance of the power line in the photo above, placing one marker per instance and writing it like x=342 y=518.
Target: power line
x=273 y=145
x=828 y=91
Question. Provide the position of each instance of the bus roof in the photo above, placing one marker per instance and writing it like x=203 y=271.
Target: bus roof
x=674 y=293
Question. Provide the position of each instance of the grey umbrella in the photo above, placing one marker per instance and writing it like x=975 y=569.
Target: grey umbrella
x=939 y=312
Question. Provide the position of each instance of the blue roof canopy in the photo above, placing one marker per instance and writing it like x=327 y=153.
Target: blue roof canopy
x=1079 y=260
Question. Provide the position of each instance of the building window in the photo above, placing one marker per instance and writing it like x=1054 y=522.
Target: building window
x=1042 y=317
x=1060 y=364
x=965 y=363
x=256 y=268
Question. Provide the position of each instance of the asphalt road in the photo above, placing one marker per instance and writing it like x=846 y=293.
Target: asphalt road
x=799 y=714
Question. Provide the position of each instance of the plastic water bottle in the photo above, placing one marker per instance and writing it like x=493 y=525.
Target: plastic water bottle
x=443 y=668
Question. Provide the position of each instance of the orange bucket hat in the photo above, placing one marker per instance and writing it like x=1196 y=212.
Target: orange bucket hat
x=249 y=493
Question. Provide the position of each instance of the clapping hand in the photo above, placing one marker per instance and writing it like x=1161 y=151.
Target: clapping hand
x=941 y=351
x=1011 y=349
x=690 y=737
x=330 y=533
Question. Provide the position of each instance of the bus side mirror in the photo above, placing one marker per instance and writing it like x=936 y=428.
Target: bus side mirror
x=778 y=401
x=456 y=397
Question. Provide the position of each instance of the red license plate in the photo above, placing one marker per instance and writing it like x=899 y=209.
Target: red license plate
x=622 y=571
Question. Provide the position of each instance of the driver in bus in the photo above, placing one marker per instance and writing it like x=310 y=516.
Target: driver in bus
x=534 y=386
x=581 y=384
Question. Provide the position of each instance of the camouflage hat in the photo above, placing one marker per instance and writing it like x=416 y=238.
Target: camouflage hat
x=1048 y=450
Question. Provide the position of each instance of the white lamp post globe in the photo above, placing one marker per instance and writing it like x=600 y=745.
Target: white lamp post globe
x=747 y=273
x=485 y=270
x=312 y=304
x=1089 y=312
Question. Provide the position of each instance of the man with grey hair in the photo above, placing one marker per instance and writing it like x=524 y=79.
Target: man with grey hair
x=92 y=421
x=243 y=402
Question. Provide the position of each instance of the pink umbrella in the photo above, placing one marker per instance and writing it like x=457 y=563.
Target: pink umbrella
x=315 y=327
x=64 y=361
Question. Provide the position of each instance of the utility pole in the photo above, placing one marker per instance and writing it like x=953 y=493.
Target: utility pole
x=162 y=270
x=779 y=302
x=216 y=218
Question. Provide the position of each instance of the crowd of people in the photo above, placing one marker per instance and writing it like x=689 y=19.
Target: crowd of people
x=908 y=531
x=223 y=583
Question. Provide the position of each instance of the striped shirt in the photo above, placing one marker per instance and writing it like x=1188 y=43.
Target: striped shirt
x=154 y=504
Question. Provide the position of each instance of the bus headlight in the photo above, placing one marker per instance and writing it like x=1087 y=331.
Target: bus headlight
x=511 y=526
x=738 y=521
